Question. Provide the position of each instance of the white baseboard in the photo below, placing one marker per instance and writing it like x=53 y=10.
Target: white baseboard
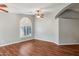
x=14 y=42
x=47 y=41
x=69 y=44
x=26 y=40
x=58 y=43
x=38 y=39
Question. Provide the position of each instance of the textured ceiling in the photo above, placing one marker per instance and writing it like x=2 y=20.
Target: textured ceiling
x=29 y=8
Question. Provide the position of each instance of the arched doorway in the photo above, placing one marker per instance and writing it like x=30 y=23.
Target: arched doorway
x=25 y=27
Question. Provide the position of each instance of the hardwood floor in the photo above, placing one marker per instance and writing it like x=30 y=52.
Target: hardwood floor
x=39 y=48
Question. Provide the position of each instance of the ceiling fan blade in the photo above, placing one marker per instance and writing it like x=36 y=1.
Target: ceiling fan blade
x=3 y=5
x=4 y=10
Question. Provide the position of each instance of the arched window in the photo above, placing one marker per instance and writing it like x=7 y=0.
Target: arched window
x=25 y=27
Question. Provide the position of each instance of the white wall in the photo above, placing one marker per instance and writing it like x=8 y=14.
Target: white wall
x=68 y=31
x=61 y=31
x=47 y=28
x=9 y=28
x=69 y=28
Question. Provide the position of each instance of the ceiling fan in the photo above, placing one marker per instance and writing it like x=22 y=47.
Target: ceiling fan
x=3 y=8
x=39 y=13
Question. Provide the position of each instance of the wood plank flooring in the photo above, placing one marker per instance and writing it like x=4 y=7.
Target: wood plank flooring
x=39 y=48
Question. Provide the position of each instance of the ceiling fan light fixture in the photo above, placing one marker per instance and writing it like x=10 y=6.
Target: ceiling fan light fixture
x=38 y=17
x=39 y=14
